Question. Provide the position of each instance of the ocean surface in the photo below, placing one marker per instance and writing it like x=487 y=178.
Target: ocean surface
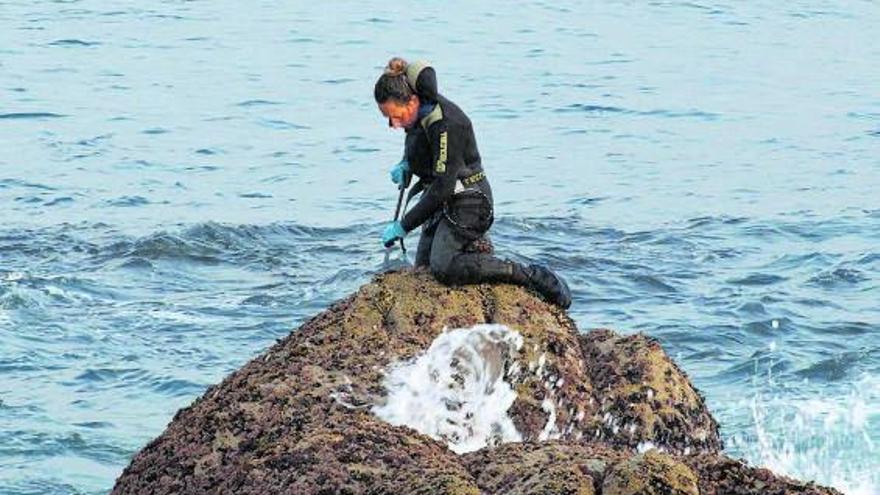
x=184 y=182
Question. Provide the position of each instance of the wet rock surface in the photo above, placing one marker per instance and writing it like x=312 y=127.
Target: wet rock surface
x=298 y=419
x=651 y=473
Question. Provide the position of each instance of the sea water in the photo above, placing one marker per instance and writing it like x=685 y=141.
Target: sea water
x=182 y=183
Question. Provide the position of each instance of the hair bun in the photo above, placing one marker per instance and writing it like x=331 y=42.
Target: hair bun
x=396 y=66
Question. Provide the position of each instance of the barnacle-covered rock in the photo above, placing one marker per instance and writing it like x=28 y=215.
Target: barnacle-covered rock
x=301 y=418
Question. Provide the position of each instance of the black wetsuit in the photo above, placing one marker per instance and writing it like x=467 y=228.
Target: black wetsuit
x=442 y=152
x=455 y=208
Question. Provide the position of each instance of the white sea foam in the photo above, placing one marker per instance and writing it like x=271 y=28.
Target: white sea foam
x=828 y=439
x=456 y=391
x=645 y=446
x=14 y=276
x=550 y=430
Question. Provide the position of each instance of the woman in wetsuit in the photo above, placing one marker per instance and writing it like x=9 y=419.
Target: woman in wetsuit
x=456 y=208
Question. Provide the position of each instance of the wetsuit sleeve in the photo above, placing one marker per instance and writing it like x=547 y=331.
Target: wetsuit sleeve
x=447 y=153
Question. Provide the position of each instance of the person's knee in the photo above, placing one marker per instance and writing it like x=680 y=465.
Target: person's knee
x=440 y=268
x=458 y=270
x=421 y=261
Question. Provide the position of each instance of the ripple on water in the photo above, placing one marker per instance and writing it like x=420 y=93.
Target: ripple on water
x=94 y=425
x=171 y=387
x=60 y=201
x=836 y=367
x=23 y=411
x=264 y=300
x=800 y=261
x=752 y=309
x=722 y=254
x=361 y=149
x=42 y=487
x=18 y=299
x=107 y=375
x=166 y=246
x=281 y=124
x=30 y=116
x=845 y=329
x=758 y=279
x=602 y=110
x=838 y=278
x=257 y=103
x=870 y=259
x=342 y=80
x=650 y=283
x=18 y=364
x=587 y=108
x=128 y=201
x=817 y=303
x=73 y=42
x=766 y=327
x=22 y=183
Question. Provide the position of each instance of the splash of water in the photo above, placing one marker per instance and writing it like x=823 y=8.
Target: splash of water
x=826 y=439
x=456 y=391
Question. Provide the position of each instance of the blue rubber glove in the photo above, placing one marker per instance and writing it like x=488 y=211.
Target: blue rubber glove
x=399 y=171
x=393 y=231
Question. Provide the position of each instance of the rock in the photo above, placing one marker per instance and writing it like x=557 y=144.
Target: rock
x=645 y=396
x=720 y=475
x=299 y=419
x=551 y=467
x=651 y=473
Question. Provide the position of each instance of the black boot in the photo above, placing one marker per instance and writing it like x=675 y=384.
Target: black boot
x=550 y=285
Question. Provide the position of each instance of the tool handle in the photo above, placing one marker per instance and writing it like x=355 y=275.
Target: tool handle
x=407 y=177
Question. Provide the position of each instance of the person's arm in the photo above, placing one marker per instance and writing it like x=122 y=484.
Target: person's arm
x=447 y=152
